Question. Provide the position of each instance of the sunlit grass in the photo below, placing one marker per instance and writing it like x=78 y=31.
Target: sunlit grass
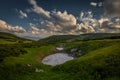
x=100 y=62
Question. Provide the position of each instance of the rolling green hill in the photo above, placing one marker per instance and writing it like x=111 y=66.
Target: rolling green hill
x=10 y=38
x=64 y=38
x=100 y=60
x=58 y=38
x=97 y=57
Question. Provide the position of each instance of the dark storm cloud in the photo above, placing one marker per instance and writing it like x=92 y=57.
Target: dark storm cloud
x=112 y=8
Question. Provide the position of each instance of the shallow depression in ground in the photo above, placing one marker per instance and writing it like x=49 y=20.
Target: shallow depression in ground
x=56 y=59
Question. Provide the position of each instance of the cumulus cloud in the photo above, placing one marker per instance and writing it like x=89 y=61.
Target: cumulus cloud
x=112 y=7
x=90 y=24
x=93 y=4
x=87 y=23
x=55 y=20
x=39 y=10
x=83 y=28
x=40 y=32
x=87 y=18
x=22 y=14
x=58 y=23
x=64 y=19
x=5 y=27
x=102 y=20
x=110 y=25
x=100 y=4
x=52 y=26
x=106 y=25
x=32 y=31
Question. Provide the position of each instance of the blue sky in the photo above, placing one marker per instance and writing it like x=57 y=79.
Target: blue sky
x=9 y=13
x=52 y=17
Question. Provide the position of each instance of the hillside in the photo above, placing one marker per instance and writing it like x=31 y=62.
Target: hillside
x=58 y=38
x=64 y=38
x=99 y=60
x=10 y=38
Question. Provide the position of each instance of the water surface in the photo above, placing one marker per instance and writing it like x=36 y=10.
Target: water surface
x=56 y=59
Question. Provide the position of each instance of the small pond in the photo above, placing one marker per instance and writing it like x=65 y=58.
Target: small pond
x=56 y=59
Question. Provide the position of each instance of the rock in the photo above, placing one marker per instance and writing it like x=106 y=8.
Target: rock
x=59 y=48
x=73 y=50
x=29 y=65
x=39 y=70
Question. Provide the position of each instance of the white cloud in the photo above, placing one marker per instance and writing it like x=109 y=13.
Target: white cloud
x=22 y=14
x=90 y=24
x=106 y=25
x=58 y=23
x=94 y=4
x=102 y=20
x=64 y=19
x=5 y=27
x=100 y=4
x=39 y=10
x=87 y=18
x=51 y=26
x=84 y=28
x=56 y=20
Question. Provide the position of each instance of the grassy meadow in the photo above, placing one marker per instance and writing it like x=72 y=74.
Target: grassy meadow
x=97 y=60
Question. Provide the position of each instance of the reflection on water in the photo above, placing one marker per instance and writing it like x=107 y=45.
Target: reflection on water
x=56 y=59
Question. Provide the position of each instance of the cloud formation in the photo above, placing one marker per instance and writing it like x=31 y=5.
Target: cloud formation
x=59 y=23
x=94 y=4
x=112 y=7
x=64 y=19
x=22 y=14
x=5 y=27
x=39 y=10
x=100 y=4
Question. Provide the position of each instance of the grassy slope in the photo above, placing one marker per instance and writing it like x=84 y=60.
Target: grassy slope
x=101 y=62
x=7 y=38
x=64 y=38
x=16 y=68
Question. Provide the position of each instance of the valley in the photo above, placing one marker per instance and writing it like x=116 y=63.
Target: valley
x=97 y=59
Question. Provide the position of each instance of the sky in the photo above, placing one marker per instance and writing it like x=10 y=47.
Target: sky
x=43 y=18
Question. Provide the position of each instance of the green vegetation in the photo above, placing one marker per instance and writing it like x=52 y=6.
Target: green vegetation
x=85 y=37
x=24 y=66
x=11 y=50
x=98 y=60
x=58 y=38
x=98 y=64
x=6 y=38
x=86 y=46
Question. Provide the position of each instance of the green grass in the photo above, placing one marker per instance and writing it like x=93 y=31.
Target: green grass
x=31 y=56
x=16 y=66
x=91 y=45
x=101 y=61
x=7 y=38
x=6 y=42
x=99 y=64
